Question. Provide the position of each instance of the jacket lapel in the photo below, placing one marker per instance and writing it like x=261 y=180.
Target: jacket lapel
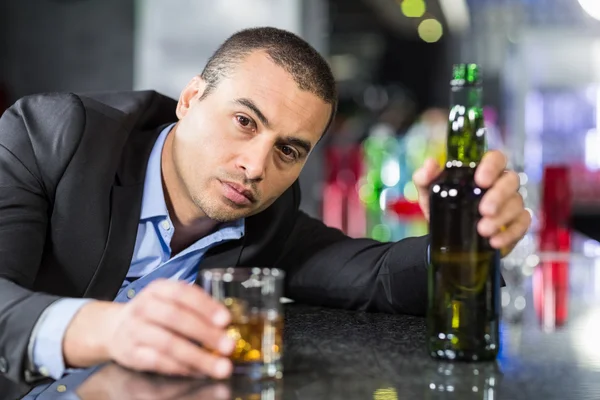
x=118 y=250
x=137 y=119
x=125 y=210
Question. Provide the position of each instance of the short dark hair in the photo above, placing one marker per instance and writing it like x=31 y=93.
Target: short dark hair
x=306 y=66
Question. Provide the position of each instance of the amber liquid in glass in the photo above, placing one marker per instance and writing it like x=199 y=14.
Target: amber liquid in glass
x=258 y=334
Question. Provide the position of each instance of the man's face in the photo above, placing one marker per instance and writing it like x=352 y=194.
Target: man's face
x=238 y=149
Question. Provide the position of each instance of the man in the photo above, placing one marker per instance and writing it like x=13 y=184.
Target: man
x=103 y=196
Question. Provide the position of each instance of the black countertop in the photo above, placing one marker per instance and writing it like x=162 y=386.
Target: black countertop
x=335 y=354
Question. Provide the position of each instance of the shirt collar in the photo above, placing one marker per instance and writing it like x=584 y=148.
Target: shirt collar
x=153 y=199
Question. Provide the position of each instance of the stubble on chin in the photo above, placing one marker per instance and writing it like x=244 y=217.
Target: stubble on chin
x=219 y=212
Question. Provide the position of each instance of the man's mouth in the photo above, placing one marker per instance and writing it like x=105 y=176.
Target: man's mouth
x=238 y=194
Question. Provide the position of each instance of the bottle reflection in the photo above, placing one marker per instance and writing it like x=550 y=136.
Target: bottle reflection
x=248 y=389
x=465 y=381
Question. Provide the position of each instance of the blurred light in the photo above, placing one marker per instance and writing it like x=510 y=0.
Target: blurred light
x=457 y=14
x=591 y=248
x=372 y=178
x=413 y=8
x=344 y=66
x=390 y=173
x=532 y=260
x=520 y=303
x=430 y=30
x=592 y=149
x=366 y=193
x=410 y=192
x=523 y=179
x=597 y=276
x=505 y=298
x=592 y=7
x=381 y=233
x=585 y=339
x=375 y=98
x=383 y=199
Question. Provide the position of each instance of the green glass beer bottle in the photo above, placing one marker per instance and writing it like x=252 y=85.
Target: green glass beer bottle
x=464 y=275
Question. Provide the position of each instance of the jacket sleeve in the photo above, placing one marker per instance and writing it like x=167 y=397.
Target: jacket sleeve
x=26 y=195
x=327 y=268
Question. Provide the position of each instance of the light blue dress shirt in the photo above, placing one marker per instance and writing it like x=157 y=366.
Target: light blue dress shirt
x=151 y=260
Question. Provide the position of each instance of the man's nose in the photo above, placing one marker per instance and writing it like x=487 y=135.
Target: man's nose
x=254 y=159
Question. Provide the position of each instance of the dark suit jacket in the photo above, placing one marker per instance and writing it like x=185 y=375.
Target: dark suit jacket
x=71 y=181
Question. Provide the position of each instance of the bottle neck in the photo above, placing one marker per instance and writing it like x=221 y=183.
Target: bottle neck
x=466 y=143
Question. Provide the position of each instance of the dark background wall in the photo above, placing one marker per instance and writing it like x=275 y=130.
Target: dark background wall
x=75 y=45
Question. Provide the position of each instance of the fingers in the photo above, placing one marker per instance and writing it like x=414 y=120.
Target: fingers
x=423 y=178
x=513 y=233
x=425 y=175
x=490 y=226
x=502 y=207
x=495 y=198
x=154 y=362
x=183 y=322
x=492 y=165
x=162 y=351
x=162 y=326
x=192 y=298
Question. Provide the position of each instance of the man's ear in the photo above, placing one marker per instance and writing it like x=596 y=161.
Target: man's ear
x=192 y=92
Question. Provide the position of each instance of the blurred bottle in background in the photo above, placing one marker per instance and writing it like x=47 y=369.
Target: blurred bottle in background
x=551 y=277
x=341 y=206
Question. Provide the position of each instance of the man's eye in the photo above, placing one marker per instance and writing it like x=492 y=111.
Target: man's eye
x=244 y=121
x=289 y=152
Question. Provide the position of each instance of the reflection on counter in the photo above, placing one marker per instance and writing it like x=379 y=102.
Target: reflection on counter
x=385 y=393
x=465 y=381
x=245 y=389
x=118 y=383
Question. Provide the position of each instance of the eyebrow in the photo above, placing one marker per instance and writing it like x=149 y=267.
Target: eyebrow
x=303 y=144
x=250 y=105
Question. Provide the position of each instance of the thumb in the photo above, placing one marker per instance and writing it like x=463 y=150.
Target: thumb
x=423 y=177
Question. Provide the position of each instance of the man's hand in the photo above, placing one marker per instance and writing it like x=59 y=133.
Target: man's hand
x=504 y=218
x=157 y=331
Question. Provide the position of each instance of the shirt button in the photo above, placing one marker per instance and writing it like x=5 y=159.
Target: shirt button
x=130 y=293
x=3 y=365
x=61 y=388
x=44 y=371
x=166 y=225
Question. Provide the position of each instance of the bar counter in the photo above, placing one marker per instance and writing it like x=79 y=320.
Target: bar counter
x=550 y=349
